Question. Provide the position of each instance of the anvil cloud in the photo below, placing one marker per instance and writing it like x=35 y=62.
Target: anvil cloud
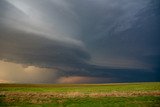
x=79 y=41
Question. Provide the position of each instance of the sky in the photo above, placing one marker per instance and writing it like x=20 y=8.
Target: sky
x=79 y=41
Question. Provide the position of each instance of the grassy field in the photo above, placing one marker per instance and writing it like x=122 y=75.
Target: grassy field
x=81 y=95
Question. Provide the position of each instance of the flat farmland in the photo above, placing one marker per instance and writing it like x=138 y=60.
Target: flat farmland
x=81 y=95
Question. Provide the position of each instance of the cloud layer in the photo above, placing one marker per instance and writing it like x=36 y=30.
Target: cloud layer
x=87 y=41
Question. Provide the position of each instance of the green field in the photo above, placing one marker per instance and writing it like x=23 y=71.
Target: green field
x=81 y=95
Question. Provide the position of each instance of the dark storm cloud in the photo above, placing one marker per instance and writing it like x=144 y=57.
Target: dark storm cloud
x=30 y=49
x=83 y=38
x=123 y=30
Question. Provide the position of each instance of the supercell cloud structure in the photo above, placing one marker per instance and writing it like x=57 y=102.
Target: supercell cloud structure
x=79 y=41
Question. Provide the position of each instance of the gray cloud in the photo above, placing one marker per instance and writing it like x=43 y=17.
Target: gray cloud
x=116 y=40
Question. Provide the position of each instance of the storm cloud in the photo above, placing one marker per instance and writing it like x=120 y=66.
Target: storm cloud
x=86 y=41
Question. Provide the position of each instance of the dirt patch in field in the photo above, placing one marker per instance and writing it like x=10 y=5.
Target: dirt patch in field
x=125 y=94
x=46 y=97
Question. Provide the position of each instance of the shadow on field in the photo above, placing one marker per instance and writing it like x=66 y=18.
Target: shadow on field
x=2 y=102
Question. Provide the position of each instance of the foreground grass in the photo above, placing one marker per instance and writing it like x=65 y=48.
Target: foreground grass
x=81 y=95
x=146 y=101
